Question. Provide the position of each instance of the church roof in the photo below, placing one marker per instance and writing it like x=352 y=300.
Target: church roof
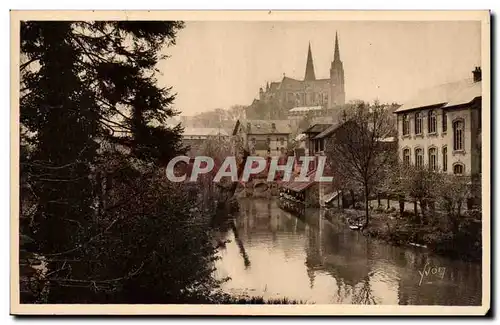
x=274 y=86
x=309 y=75
x=287 y=81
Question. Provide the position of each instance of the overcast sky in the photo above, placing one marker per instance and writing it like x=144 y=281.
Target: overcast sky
x=219 y=64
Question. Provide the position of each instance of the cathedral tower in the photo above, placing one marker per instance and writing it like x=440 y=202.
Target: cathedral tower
x=337 y=91
x=309 y=76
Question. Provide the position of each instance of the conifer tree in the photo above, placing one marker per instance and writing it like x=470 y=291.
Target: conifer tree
x=82 y=84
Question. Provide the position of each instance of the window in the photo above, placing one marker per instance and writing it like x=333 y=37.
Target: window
x=321 y=145
x=458 y=135
x=419 y=157
x=445 y=122
x=445 y=159
x=406 y=157
x=418 y=123
x=268 y=140
x=406 y=124
x=433 y=159
x=282 y=140
x=432 y=122
x=458 y=169
x=254 y=140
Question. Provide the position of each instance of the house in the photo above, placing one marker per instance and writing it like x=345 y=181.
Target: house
x=263 y=137
x=196 y=137
x=323 y=136
x=311 y=193
x=441 y=127
x=313 y=146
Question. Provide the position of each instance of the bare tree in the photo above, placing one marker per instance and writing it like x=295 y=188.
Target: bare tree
x=236 y=112
x=454 y=191
x=360 y=149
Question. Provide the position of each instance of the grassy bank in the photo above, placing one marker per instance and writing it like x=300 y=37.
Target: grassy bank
x=458 y=238
x=262 y=301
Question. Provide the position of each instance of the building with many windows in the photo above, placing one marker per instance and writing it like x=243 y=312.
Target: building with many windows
x=441 y=127
x=265 y=138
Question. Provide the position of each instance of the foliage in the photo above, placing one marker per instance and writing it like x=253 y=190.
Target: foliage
x=454 y=191
x=259 y=301
x=104 y=73
x=104 y=225
x=358 y=152
x=157 y=246
x=213 y=193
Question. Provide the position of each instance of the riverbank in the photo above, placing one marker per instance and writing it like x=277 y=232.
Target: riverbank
x=463 y=243
x=246 y=300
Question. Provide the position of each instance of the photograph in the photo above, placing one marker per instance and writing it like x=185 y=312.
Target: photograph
x=250 y=162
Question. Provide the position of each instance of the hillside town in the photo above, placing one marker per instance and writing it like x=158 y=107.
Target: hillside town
x=439 y=130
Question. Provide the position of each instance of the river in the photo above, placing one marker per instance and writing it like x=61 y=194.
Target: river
x=275 y=254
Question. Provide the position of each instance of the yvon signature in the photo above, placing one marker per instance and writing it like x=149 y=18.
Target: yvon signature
x=429 y=271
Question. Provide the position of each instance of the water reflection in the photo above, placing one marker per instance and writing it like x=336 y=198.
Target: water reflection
x=275 y=254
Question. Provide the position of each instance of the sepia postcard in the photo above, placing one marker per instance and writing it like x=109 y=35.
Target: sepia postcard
x=250 y=162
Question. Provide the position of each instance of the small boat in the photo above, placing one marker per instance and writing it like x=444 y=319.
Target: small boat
x=417 y=245
x=355 y=224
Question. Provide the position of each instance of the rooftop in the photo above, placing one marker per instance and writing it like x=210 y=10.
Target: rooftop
x=445 y=95
x=264 y=126
x=305 y=109
x=329 y=130
x=205 y=131
x=317 y=128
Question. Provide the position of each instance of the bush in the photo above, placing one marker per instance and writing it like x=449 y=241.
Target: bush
x=391 y=209
x=150 y=244
x=163 y=248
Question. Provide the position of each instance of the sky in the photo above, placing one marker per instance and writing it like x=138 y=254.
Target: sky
x=219 y=64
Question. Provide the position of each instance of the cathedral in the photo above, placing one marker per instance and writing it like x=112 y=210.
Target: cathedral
x=279 y=97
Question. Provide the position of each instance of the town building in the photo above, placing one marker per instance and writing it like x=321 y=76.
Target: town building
x=263 y=137
x=299 y=113
x=195 y=138
x=277 y=98
x=441 y=127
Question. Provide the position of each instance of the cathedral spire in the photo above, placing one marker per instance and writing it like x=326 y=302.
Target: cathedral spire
x=309 y=66
x=336 y=56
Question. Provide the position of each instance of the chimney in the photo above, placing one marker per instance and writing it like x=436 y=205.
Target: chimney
x=477 y=74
